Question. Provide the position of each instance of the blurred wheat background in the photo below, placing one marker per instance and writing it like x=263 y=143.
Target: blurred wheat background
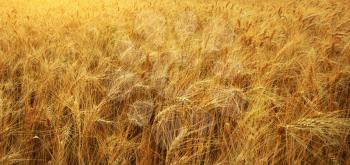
x=174 y=82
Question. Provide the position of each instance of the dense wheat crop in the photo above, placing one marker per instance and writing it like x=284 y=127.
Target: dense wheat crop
x=174 y=82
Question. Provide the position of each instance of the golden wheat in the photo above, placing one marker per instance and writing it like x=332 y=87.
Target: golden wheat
x=174 y=82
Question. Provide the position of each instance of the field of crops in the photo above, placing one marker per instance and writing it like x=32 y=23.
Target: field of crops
x=174 y=82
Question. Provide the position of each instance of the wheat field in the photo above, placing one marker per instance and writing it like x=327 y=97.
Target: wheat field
x=174 y=82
